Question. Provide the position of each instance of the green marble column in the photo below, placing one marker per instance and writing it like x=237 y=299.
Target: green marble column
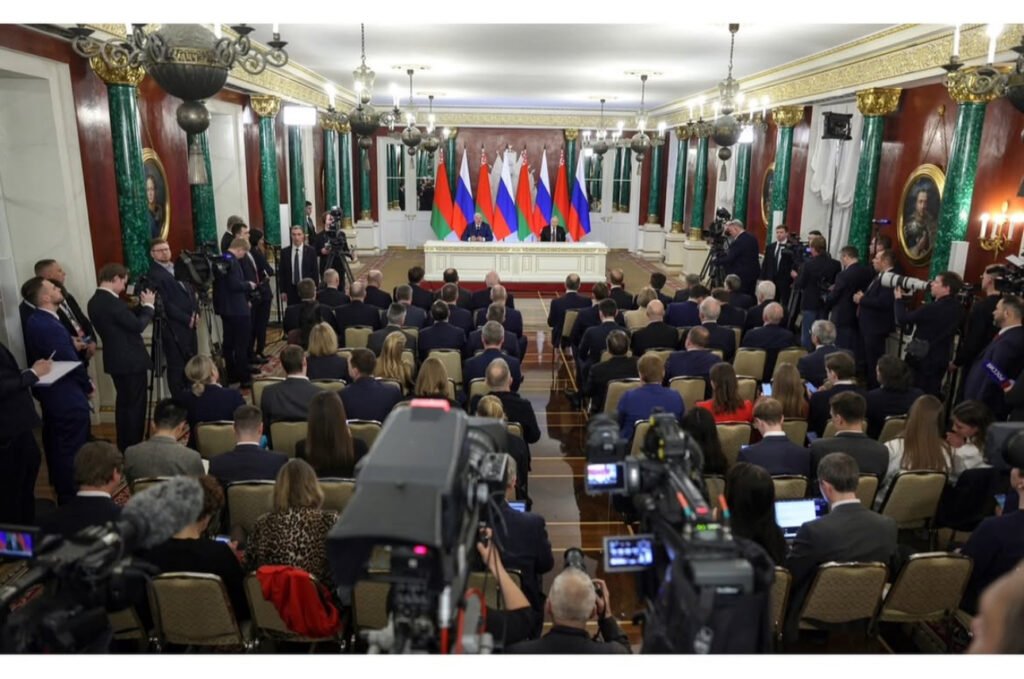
x=874 y=104
x=330 y=132
x=963 y=165
x=571 y=135
x=654 y=193
x=123 y=100
x=345 y=141
x=267 y=107
x=679 y=189
x=390 y=200
x=617 y=181
x=365 y=209
x=627 y=179
x=700 y=181
x=449 y=159
x=786 y=117
x=742 y=193
x=204 y=216
x=296 y=176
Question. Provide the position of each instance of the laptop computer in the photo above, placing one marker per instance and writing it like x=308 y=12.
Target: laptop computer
x=791 y=514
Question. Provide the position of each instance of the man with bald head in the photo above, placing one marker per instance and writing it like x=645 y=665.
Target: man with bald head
x=375 y=296
x=356 y=312
x=657 y=334
x=771 y=337
x=719 y=337
x=617 y=290
x=481 y=299
x=331 y=295
x=572 y=299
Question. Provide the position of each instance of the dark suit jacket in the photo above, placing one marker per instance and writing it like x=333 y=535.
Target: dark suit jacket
x=368 y=399
x=464 y=299
x=601 y=373
x=475 y=343
x=332 y=367
x=461 y=318
x=732 y=315
x=556 y=312
x=812 y=366
x=376 y=341
x=996 y=546
x=225 y=240
x=442 y=335
x=287 y=401
x=820 y=413
x=937 y=322
x=979 y=331
x=377 y=297
x=310 y=266
x=623 y=300
x=690 y=363
x=421 y=298
x=595 y=341
x=81 y=512
x=771 y=338
x=883 y=402
x=683 y=314
x=415 y=317
x=1006 y=351
x=45 y=335
x=481 y=299
x=525 y=546
x=654 y=335
x=570 y=640
x=17 y=410
x=855 y=277
x=247 y=462
x=120 y=328
x=356 y=313
x=545 y=234
x=293 y=318
x=722 y=338
x=513 y=320
x=517 y=409
x=179 y=304
x=483 y=231
x=76 y=311
x=477 y=367
x=214 y=404
x=231 y=291
x=814 y=275
x=876 y=316
x=742 y=259
x=741 y=300
x=638 y=404
x=332 y=297
x=778 y=455
x=779 y=271
x=872 y=457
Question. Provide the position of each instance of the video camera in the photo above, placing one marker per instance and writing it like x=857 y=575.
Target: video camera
x=337 y=241
x=1012 y=279
x=423 y=505
x=199 y=268
x=714 y=234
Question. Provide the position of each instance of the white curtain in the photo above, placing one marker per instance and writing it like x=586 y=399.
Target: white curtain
x=824 y=178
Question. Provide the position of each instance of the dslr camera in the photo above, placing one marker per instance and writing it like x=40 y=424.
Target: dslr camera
x=905 y=283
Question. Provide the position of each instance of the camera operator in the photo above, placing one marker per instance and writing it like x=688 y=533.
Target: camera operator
x=741 y=257
x=320 y=240
x=780 y=259
x=178 y=304
x=979 y=330
x=573 y=600
x=936 y=323
x=875 y=318
x=231 y=303
x=816 y=275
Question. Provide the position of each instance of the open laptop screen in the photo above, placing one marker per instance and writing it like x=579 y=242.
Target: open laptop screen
x=791 y=514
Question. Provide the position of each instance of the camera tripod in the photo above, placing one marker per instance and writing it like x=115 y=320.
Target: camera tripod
x=712 y=271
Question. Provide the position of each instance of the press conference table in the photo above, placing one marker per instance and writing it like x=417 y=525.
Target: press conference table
x=516 y=262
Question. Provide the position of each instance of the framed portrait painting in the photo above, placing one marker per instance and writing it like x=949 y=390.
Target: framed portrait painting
x=917 y=223
x=766 y=196
x=158 y=197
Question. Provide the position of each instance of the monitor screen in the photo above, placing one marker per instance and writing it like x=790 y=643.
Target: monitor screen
x=791 y=514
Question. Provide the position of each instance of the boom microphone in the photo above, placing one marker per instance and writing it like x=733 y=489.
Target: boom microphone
x=153 y=516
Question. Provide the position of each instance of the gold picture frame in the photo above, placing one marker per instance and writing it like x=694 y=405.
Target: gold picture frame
x=767 y=179
x=917 y=223
x=158 y=207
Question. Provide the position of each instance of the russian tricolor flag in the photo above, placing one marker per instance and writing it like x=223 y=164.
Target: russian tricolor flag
x=462 y=213
x=579 y=205
x=505 y=216
x=542 y=206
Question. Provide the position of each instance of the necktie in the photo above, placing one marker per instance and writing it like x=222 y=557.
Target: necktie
x=296 y=272
x=778 y=256
x=71 y=317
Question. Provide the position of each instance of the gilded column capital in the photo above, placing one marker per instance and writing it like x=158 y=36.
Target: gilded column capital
x=453 y=132
x=344 y=128
x=878 y=101
x=571 y=134
x=788 y=116
x=117 y=75
x=683 y=132
x=977 y=84
x=265 y=105
x=701 y=130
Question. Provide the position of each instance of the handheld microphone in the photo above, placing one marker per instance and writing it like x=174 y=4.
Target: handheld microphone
x=153 y=516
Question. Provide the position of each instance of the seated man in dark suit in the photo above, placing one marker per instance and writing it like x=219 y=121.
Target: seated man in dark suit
x=478 y=230
x=307 y=313
x=441 y=334
x=589 y=317
x=462 y=296
x=996 y=546
x=248 y=461
x=396 y=321
x=481 y=299
x=657 y=334
x=719 y=337
x=775 y=453
x=415 y=317
x=493 y=335
x=686 y=314
x=594 y=339
x=498 y=376
x=617 y=290
x=849 y=532
x=374 y=295
x=523 y=537
x=162 y=454
x=657 y=281
x=288 y=401
x=332 y=295
x=356 y=312
x=98 y=467
x=691 y=280
x=839 y=370
x=848 y=416
x=638 y=404
x=696 y=361
x=553 y=227
x=459 y=316
x=728 y=314
x=894 y=396
x=367 y=398
x=572 y=602
x=420 y=297
x=755 y=315
x=572 y=299
x=513 y=319
x=511 y=345
x=619 y=366
x=771 y=337
x=737 y=298
x=812 y=366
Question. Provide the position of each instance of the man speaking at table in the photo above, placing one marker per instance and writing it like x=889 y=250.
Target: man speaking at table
x=479 y=230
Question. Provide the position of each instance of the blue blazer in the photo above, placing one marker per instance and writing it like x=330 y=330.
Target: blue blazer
x=855 y=277
x=742 y=259
x=513 y=320
x=722 y=338
x=691 y=363
x=368 y=399
x=556 y=312
x=820 y=412
x=638 y=404
x=46 y=335
x=477 y=367
x=683 y=314
x=483 y=232
x=778 y=455
x=215 y=403
x=461 y=318
x=247 y=462
x=475 y=343
x=442 y=335
x=883 y=402
x=1005 y=351
x=877 y=314
x=594 y=341
x=179 y=302
x=812 y=366
x=231 y=291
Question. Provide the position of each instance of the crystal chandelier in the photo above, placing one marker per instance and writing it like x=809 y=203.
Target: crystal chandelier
x=364 y=119
x=430 y=142
x=411 y=135
x=725 y=129
x=641 y=143
x=600 y=145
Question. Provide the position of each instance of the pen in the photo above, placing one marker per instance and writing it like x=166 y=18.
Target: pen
x=51 y=356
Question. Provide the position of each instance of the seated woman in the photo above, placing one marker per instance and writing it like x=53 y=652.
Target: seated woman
x=970 y=421
x=788 y=389
x=329 y=446
x=207 y=400
x=700 y=424
x=390 y=364
x=637 y=318
x=295 y=532
x=322 y=359
x=996 y=546
x=725 y=403
x=922 y=445
x=490 y=406
x=894 y=395
x=432 y=382
x=750 y=494
x=191 y=550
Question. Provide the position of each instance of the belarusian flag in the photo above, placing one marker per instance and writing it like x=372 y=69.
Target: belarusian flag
x=560 y=203
x=441 y=217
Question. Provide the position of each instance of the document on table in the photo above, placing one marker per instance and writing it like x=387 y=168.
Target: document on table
x=59 y=370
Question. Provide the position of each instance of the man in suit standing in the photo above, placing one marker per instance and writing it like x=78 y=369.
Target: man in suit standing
x=781 y=258
x=481 y=299
x=524 y=538
x=65 y=403
x=719 y=337
x=657 y=334
x=617 y=290
x=396 y=321
x=771 y=337
x=125 y=357
x=70 y=314
x=638 y=404
x=553 y=228
x=98 y=474
x=686 y=314
x=816 y=274
x=479 y=230
x=775 y=452
x=696 y=360
x=162 y=454
x=847 y=411
x=854 y=277
x=935 y=322
x=288 y=401
x=331 y=295
x=420 y=297
x=493 y=335
x=875 y=316
x=307 y=221
x=264 y=297
x=231 y=303
x=1005 y=352
x=839 y=370
x=741 y=257
x=595 y=339
x=812 y=366
x=298 y=261
x=849 y=532
x=618 y=366
x=248 y=460
x=229 y=234
x=441 y=334
x=415 y=317
x=374 y=295
x=463 y=298
x=459 y=316
x=180 y=315
x=356 y=312
x=572 y=299
x=765 y=295
x=510 y=345
x=366 y=398
x=980 y=329
x=19 y=454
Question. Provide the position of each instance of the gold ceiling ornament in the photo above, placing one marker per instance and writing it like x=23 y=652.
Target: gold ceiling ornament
x=977 y=84
x=265 y=105
x=878 y=101
x=329 y=121
x=788 y=116
x=683 y=132
x=453 y=132
x=344 y=128
x=117 y=75
x=571 y=134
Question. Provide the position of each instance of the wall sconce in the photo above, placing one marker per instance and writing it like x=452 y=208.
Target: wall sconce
x=997 y=230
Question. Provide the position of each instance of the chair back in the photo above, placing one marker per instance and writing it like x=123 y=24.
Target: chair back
x=357 y=336
x=792 y=356
x=451 y=389
x=409 y=359
x=248 y=501
x=392 y=383
x=366 y=431
x=738 y=331
x=139 y=485
x=844 y=592
x=452 y=360
x=830 y=429
x=790 y=486
x=690 y=388
x=193 y=609
x=716 y=487
x=749 y=362
x=732 y=437
x=867 y=488
x=215 y=438
x=266 y=621
x=796 y=430
x=719 y=353
x=411 y=330
x=258 y=385
x=345 y=354
x=616 y=388
x=893 y=428
x=286 y=436
x=746 y=387
x=661 y=353
x=567 y=323
x=337 y=493
x=929 y=587
x=640 y=430
x=370 y=604
x=780 y=598
x=913 y=498
x=329 y=385
x=478 y=387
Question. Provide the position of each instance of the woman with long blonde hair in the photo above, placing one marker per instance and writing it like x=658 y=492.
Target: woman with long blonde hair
x=390 y=364
x=923 y=444
x=207 y=400
x=788 y=389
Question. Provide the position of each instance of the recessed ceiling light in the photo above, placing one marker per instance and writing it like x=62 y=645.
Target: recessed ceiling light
x=640 y=73
x=432 y=92
x=415 y=67
x=599 y=97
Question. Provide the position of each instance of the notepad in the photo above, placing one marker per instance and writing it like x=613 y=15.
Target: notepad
x=59 y=370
